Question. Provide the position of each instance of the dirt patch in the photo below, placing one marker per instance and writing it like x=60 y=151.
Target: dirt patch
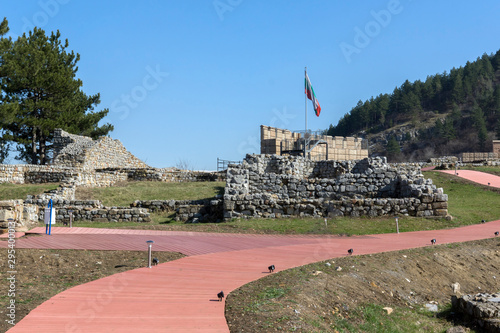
x=42 y=274
x=337 y=295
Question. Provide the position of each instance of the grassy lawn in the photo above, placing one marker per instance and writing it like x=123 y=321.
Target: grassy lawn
x=20 y=191
x=467 y=203
x=297 y=226
x=126 y=193
x=494 y=170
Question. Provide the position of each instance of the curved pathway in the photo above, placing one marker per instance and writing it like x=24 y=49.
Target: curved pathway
x=482 y=178
x=180 y=296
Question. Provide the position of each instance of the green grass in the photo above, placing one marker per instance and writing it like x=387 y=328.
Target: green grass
x=467 y=203
x=343 y=225
x=495 y=170
x=124 y=195
x=20 y=191
x=373 y=318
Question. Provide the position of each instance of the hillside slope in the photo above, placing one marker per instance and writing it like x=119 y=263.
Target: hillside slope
x=448 y=113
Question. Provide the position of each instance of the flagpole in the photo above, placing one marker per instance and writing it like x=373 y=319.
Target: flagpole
x=305 y=97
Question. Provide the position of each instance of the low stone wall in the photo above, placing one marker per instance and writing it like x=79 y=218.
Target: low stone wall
x=168 y=175
x=477 y=157
x=281 y=186
x=89 y=210
x=207 y=210
x=35 y=174
x=484 y=308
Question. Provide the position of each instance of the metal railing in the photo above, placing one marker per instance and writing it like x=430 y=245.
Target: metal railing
x=223 y=164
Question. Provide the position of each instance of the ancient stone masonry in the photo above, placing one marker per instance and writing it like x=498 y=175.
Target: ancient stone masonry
x=478 y=157
x=34 y=174
x=80 y=151
x=483 y=308
x=81 y=161
x=207 y=210
x=88 y=210
x=281 y=186
x=323 y=147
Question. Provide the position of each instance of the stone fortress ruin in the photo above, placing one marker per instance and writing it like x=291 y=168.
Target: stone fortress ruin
x=318 y=146
x=284 y=186
x=81 y=161
x=347 y=183
x=482 y=156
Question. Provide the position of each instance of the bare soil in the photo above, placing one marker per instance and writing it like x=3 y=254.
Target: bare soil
x=41 y=274
x=335 y=295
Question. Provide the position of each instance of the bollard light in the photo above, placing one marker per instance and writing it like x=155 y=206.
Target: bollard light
x=150 y=244
x=397 y=224
x=71 y=219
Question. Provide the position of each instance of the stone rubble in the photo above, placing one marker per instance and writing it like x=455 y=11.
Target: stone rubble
x=483 y=307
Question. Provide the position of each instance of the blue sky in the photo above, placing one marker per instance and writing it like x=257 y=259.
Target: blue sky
x=189 y=81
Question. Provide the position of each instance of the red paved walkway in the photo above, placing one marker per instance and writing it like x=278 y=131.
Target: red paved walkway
x=179 y=296
x=477 y=177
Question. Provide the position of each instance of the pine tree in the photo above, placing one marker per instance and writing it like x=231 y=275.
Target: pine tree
x=41 y=93
x=480 y=125
x=4 y=45
x=498 y=128
x=393 y=148
x=457 y=93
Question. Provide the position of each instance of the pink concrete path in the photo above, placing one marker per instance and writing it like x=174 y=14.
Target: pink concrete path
x=180 y=296
x=476 y=176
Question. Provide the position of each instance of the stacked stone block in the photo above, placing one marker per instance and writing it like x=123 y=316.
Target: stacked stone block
x=81 y=151
x=275 y=140
x=483 y=308
x=281 y=186
x=88 y=210
x=207 y=210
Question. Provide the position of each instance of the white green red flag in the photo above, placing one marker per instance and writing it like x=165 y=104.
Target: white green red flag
x=310 y=94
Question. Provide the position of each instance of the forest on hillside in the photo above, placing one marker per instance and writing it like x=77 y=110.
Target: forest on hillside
x=451 y=113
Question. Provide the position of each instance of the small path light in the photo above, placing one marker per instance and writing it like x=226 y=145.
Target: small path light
x=150 y=243
x=397 y=224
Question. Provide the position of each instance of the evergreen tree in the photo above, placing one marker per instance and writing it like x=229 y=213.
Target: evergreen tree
x=457 y=93
x=4 y=45
x=498 y=128
x=41 y=93
x=480 y=125
x=393 y=148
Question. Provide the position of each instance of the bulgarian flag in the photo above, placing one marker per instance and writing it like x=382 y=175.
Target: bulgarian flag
x=310 y=94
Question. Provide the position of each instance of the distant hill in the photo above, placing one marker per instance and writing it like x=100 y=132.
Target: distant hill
x=446 y=114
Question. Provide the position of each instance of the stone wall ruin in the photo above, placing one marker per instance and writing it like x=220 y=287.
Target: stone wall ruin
x=72 y=150
x=323 y=147
x=283 y=186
